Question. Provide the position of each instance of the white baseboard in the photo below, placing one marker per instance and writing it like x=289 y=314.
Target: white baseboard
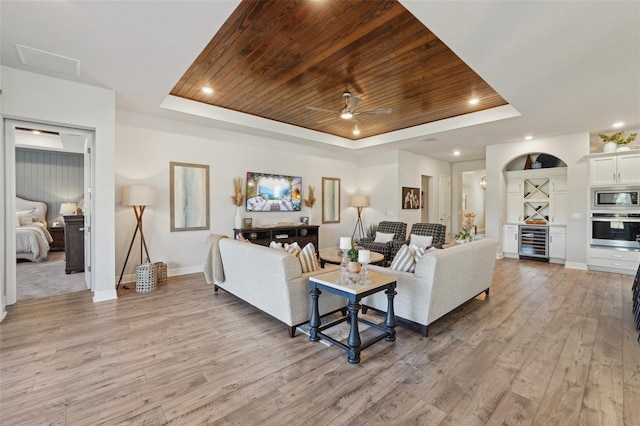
x=131 y=278
x=576 y=265
x=102 y=296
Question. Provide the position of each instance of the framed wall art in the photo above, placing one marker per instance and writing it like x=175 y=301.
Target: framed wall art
x=410 y=198
x=330 y=200
x=189 y=197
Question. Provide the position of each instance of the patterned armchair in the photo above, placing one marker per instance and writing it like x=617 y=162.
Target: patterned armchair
x=436 y=230
x=399 y=231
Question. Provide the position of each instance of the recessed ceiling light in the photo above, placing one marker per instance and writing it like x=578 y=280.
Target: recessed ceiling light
x=528 y=138
x=456 y=153
x=356 y=131
x=474 y=101
x=208 y=90
x=618 y=124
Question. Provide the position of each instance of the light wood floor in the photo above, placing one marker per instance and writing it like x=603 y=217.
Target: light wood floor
x=548 y=346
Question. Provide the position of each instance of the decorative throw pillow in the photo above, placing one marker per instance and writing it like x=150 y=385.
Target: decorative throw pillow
x=417 y=252
x=26 y=220
x=292 y=248
x=404 y=260
x=276 y=245
x=381 y=237
x=308 y=259
x=421 y=240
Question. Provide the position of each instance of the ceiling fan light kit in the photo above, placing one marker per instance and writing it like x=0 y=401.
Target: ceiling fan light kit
x=348 y=111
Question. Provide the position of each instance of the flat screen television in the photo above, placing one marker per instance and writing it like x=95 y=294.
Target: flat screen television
x=267 y=192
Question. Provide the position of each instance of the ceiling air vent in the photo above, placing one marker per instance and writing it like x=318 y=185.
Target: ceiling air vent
x=48 y=61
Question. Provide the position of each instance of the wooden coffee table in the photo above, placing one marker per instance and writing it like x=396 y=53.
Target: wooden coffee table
x=334 y=255
x=354 y=292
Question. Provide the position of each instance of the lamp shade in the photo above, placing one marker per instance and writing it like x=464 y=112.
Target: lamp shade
x=68 y=208
x=138 y=195
x=359 y=201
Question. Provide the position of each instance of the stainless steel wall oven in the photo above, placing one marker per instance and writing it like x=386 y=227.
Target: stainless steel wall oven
x=616 y=229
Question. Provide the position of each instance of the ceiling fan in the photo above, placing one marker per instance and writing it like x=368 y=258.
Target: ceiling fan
x=348 y=112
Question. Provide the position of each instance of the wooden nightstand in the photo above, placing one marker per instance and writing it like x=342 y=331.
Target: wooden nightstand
x=57 y=232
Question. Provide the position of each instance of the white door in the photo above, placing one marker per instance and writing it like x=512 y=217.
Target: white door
x=444 y=202
x=424 y=200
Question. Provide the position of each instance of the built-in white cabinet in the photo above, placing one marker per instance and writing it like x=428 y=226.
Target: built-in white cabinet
x=557 y=244
x=510 y=240
x=537 y=197
x=613 y=260
x=614 y=169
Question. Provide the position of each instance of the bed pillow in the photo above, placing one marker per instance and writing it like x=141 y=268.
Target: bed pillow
x=24 y=217
x=421 y=240
x=381 y=237
x=308 y=259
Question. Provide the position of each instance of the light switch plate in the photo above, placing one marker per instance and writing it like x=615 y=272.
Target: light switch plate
x=576 y=216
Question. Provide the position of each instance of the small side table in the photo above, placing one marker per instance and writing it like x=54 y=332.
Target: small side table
x=354 y=293
x=57 y=233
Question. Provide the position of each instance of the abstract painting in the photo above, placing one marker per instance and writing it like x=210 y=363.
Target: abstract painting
x=189 y=197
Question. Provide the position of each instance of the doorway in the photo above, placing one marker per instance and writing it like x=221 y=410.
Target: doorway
x=424 y=199
x=22 y=179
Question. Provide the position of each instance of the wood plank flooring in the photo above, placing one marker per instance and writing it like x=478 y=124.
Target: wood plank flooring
x=548 y=346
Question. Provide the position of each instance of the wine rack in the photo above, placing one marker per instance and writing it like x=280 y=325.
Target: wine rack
x=536 y=201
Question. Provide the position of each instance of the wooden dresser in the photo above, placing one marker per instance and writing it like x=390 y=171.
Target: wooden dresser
x=74 y=243
x=57 y=233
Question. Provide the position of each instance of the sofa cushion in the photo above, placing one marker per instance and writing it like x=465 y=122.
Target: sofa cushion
x=421 y=240
x=404 y=260
x=308 y=259
x=381 y=237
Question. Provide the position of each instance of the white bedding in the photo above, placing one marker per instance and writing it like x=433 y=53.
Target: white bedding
x=32 y=235
x=33 y=241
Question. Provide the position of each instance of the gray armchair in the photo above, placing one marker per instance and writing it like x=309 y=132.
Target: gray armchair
x=436 y=230
x=399 y=231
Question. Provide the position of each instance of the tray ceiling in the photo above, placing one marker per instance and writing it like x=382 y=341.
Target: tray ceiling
x=273 y=59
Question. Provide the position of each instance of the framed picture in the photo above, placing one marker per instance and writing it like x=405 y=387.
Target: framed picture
x=330 y=200
x=247 y=222
x=189 y=186
x=304 y=219
x=410 y=198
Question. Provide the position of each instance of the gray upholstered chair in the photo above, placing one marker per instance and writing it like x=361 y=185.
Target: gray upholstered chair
x=399 y=231
x=436 y=230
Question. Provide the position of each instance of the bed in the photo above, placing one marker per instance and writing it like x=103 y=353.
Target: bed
x=32 y=235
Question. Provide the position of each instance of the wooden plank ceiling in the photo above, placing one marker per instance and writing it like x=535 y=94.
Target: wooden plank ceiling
x=274 y=58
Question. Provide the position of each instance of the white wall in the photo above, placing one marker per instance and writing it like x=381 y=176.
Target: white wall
x=569 y=148
x=378 y=178
x=145 y=146
x=457 y=170
x=411 y=167
x=33 y=97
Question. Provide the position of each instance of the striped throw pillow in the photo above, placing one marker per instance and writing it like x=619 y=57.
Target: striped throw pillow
x=308 y=259
x=276 y=245
x=292 y=248
x=404 y=260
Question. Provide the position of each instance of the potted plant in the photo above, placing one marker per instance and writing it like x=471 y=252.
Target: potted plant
x=463 y=236
x=617 y=141
x=352 y=254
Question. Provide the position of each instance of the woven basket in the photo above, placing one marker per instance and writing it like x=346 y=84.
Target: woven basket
x=145 y=278
x=161 y=272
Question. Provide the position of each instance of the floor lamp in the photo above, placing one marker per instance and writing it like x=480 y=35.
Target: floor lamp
x=359 y=202
x=138 y=197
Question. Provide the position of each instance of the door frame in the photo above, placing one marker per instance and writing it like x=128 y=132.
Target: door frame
x=9 y=282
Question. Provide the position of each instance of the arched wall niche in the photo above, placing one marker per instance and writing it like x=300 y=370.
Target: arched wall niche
x=527 y=161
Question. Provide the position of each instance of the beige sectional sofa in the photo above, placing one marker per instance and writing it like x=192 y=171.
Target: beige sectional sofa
x=269 y=279
x=442 y=281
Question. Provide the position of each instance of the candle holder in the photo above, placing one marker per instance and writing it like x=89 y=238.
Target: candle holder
x=345 y=245
x=364 y=257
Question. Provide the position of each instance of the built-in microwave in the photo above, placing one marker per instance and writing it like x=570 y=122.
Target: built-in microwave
x=615 y=198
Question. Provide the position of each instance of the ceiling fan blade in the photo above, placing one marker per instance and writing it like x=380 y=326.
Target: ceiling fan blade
x=375 y=112
x=353 y=103
x=356 y=121
x=321 y=109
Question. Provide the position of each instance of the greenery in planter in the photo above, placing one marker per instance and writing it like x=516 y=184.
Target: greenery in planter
x=352 y=254
x=618 y=138
x=463 y=235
